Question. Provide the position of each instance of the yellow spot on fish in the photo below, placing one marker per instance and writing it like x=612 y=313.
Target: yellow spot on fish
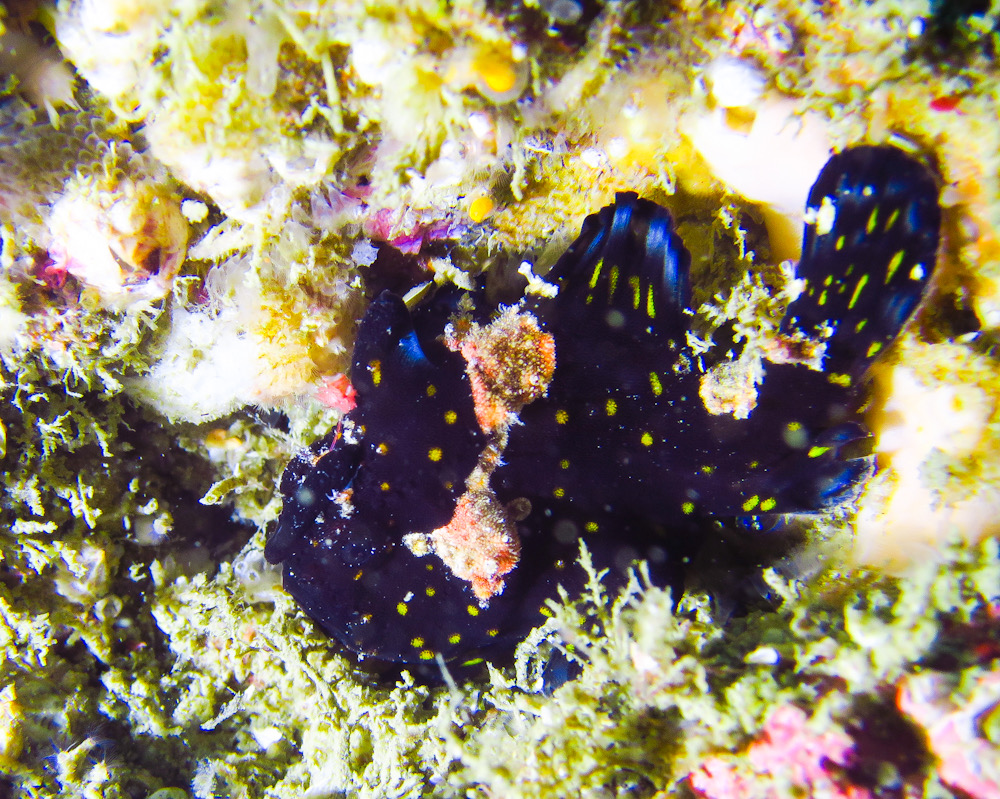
x=450 y=417
x=426 y=654
x=611 y=407
x=417 y=642
x=430 y=590
x=634 y=282
x=872 y=221
x=384 y=486
x=431 y=390
x=860 y=326
x=559 y=492
x=561 y=417
x=874 y=348
x=375 y=369
x=382 y=448
x=596 y=274
x=897 y=259
x=647 y=440
x=688 y=508
x=359 y=574
x=591 y=527
x=493 y=632
x=751 y=503
x=768 y=503
x=454 y=638
x=708 y=470
x=917 y=273
x=650 y=304
x=472 y=610
x=815 y=452
x=841 y=240
x=564 y=464
x=402 y=609
x=612 y=282
x=434 y=453
x=655 y=384
x=838 y=379
x=822 y=298
x=858 y=288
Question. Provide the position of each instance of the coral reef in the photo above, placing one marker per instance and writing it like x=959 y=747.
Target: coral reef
x=198 y=200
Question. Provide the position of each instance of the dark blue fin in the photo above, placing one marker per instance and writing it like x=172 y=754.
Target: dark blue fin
x=868 y=253
x=627 y=272
x=416 y=413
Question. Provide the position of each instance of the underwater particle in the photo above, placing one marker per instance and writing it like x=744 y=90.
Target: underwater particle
x=580 y=411
x=562 y=12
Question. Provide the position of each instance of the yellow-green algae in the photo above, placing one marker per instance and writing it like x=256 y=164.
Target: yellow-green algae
x=135 y=660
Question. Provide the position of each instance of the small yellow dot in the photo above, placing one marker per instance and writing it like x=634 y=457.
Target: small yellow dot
x=382 y=448
x=402 y=609
x=450 y=417
x=647 y=440
x=384 y=486
x=359 y=574
x=545 y=612
x=434 y=453
x=564 y=464
x=751 y=503
x=493 y=632
x=473 y=610
x=375 y=369
x=430 y=590
x=611 y=407
x=768 y=503
x=591 y=527
x=688 y=508
x=426 y=654
x=559 y=493
x=454 y=638
x=417 y=642
x=561 y=417
x=431 y=390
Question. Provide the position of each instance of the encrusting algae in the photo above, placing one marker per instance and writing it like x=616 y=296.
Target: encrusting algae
x=198 y=201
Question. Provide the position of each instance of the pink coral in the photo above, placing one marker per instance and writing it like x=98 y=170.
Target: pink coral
x=966 y=761
x=787 y=757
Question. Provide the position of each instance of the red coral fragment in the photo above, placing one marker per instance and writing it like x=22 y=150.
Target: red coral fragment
x=338 y=393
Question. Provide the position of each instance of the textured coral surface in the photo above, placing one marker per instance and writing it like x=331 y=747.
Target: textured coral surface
x=197 y=201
